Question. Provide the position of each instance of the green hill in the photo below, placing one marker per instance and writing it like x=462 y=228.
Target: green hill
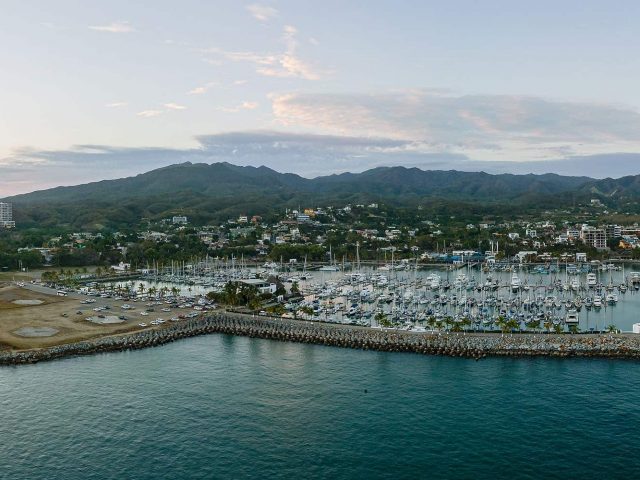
x=207 y=192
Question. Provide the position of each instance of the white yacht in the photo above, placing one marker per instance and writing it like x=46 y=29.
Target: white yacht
x=572 y=317
x=460 y=281
x=612 y=298
x=515 y=282
x=575 y=284
x=592 y=280
x=329 y=268
x=433 y=281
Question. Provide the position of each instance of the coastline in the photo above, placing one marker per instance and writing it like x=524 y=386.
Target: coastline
x=469 y=345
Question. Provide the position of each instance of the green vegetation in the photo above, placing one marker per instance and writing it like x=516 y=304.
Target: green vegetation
x=238 y=294
x=207 y=193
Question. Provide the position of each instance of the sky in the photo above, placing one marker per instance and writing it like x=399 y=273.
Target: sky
x=91 y=90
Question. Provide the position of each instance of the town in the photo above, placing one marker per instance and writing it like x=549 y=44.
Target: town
x=333 y=235
x=367 y=265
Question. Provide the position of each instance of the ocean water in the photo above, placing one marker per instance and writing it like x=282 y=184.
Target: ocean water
x=219 y=406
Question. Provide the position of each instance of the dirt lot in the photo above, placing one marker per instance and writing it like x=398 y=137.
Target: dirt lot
x=50 y=314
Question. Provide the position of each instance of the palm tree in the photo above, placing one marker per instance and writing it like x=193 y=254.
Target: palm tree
x=152 y=291
x=465 y=323
x=448 y=321
x=513 y=324
x=382 y=320
x=307 y=310
x=612 y=329
x=141 y=289
x=501 y=322
x=534 y=323
x=431 y=321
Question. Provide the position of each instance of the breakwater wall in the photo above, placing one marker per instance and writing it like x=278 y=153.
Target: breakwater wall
x=452 y=344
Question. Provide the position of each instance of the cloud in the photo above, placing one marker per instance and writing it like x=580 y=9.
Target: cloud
x=289 y=37
x=149 y=113
x=28 y=169
x=263 y=13
x=242 y=106
x=281 y=65
x=202 y=89
x=168 y=107
x=485 y=127
x=116 y=104
x=306 y=154
x=174 y=106
x=114 y=27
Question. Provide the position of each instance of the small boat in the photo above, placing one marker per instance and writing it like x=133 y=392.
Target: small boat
x=572 y=317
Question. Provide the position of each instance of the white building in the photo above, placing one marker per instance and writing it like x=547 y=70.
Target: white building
x=121 y=267
x=261 y=285
x=179 y=220
x=6 y=215
x=572 y=233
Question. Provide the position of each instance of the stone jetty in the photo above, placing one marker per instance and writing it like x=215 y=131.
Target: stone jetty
x=470 y=345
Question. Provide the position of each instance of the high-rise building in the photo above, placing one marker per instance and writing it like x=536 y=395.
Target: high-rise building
x=613 y=231
x=594 y=237
x=6 y=215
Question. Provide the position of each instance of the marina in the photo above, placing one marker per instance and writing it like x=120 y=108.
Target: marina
x=552 y=298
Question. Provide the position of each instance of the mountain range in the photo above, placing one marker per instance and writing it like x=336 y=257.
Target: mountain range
x=215 y=191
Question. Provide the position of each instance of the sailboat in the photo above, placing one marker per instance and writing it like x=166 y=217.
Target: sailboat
x=332 y=267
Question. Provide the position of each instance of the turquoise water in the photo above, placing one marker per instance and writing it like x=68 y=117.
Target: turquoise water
x=233 y=407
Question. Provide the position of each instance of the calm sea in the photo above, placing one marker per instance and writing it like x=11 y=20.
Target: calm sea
x=229 y=407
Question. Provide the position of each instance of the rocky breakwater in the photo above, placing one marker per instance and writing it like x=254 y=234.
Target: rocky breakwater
x=451 y=344
x=471 y=345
